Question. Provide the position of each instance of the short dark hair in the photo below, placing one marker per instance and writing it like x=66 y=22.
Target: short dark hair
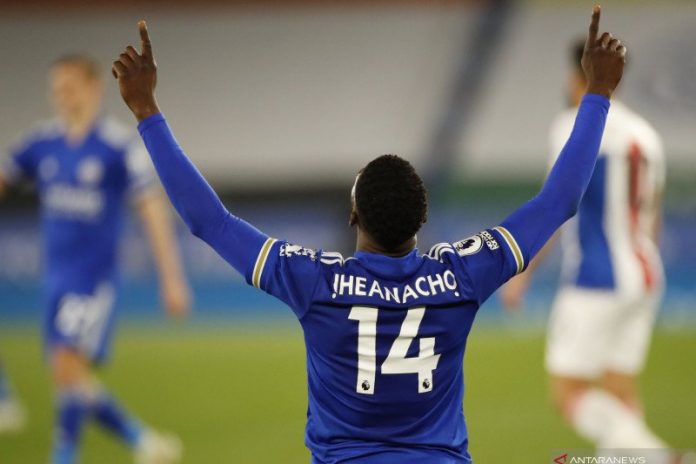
x=88 y=63
x=391 y=201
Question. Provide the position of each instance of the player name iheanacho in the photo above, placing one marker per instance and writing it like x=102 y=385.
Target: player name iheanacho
x=422 y=286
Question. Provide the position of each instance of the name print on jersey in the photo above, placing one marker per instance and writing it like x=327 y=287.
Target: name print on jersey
x=423 y=286
x=65 y=200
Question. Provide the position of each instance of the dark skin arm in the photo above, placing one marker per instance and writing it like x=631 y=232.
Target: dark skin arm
x=137 y=77
x=603 y=60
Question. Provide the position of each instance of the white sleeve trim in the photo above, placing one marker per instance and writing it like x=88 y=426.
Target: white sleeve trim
x=261 y=262
x=513 y=246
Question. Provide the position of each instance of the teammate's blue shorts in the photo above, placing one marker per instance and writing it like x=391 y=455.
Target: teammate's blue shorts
x=81 y=320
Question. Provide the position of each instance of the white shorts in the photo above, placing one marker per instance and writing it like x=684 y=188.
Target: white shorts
x=592 y=332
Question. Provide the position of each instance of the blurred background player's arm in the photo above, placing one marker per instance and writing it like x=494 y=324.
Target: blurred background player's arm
x=660 y=172
x=512 y=293
x=657 y=223
x=154 y=214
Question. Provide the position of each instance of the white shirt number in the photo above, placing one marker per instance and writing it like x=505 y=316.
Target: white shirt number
x=397 y=362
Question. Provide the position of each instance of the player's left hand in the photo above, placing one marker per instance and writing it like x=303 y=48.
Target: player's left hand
x=137 y=76
x=604 y=59
x=176 y=298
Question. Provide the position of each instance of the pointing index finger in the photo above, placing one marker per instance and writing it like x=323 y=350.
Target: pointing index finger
x=594 y=27
x=146 y=48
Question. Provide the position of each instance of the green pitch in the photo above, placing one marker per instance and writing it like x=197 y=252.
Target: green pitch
x=239 y=395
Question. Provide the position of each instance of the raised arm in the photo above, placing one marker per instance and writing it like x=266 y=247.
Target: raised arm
x=536 y=221
x=195 y=201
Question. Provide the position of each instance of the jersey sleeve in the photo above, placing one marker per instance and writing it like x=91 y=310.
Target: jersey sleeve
x=141 y=175
x=288 y=272
x=285 y=271
x=487 y=260
x=523 y=233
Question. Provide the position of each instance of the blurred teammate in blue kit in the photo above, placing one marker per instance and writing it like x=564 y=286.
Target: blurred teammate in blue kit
x=385 y=330
x=85 y=166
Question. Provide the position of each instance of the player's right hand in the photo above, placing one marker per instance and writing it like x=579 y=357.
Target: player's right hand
x=603 y=60
x=137 y=76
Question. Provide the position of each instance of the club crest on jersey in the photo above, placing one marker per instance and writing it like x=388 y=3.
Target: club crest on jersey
x=289 y=250
x=90 y=171
x=468 y=246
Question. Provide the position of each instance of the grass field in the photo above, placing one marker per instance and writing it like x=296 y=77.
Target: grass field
x=238 y=395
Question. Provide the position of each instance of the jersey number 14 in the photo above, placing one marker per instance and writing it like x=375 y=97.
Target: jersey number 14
x=396 y=363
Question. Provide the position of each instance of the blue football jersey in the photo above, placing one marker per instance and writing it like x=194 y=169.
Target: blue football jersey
x=385 y=337
x=385 y=341
x=81 y=188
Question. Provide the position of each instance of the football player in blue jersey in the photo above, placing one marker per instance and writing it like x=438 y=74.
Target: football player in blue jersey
x=85 y=166
x=385 y=330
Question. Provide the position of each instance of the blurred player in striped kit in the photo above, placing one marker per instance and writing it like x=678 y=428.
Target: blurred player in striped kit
x=612 y=280
x=85 y=166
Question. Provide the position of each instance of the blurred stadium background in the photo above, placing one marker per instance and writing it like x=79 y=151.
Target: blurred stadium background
x=279 y=103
